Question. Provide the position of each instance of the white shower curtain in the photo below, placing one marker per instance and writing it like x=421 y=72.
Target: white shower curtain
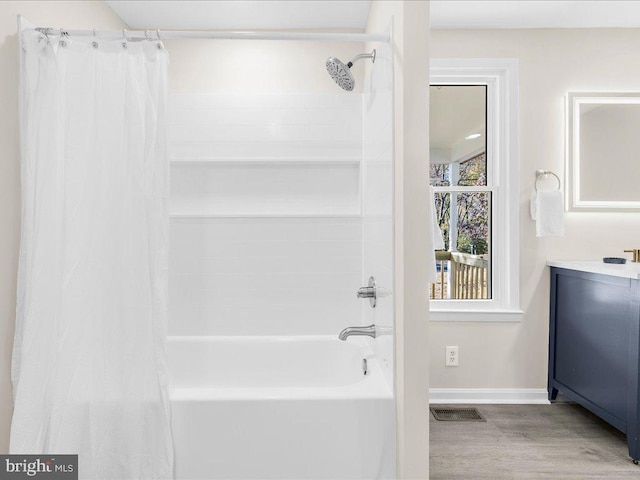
x=89 y=361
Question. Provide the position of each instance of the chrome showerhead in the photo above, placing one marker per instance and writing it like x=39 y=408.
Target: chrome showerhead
x=341 y=73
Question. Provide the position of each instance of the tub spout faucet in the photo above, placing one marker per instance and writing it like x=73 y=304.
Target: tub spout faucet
x=369 y=331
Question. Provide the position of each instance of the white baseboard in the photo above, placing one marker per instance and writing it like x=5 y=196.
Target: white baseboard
x=532 y=396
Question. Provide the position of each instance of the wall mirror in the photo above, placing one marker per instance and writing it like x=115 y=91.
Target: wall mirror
x=603 y=152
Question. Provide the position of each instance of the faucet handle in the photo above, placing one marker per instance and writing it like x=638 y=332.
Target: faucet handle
x=636 y=254
x=369 y=292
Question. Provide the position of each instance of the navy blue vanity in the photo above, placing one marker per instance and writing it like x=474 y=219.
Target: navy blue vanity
x=594 y=342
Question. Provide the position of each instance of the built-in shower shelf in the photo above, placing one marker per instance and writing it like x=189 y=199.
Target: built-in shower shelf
x=266 y=156
x=184 y=162
x=264 y=215
x=298 y=188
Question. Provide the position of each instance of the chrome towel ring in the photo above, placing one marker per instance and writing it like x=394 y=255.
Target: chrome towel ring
x=543 y=173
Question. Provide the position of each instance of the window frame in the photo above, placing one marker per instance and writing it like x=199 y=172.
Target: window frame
x=500 y=75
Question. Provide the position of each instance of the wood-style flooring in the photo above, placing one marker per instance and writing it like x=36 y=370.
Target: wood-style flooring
x=529 y=442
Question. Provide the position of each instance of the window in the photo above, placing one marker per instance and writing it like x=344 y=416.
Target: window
x=474 y=172
x=458 y=173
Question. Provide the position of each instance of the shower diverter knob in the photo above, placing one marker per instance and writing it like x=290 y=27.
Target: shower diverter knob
x=369 y=292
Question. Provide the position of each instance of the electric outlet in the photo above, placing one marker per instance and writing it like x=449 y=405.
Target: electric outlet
x=451 y=359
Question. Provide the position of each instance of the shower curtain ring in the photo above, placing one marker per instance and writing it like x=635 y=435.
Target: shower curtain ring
x=63 y=34
x=124 y=35
x=159 y=39
x=45 y=34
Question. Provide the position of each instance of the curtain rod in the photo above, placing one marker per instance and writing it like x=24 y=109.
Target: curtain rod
x=219 y=35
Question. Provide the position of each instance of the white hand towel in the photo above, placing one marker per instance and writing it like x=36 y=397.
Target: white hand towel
x=549 y=212
x=532 y=205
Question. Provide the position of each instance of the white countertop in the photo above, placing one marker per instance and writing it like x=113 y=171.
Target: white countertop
x=628 y=270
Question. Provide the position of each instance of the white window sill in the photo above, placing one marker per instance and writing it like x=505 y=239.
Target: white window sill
x=499 y=316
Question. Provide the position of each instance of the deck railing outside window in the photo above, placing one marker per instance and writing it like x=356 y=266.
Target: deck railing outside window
x=461 y=276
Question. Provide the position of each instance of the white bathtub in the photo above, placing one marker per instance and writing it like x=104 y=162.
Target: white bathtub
x=279 y=408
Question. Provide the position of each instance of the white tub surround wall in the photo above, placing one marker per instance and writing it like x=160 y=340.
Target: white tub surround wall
x=377 y=206
x=266 y=127
x=257 y=66
x=264 y=362
x=266 y=232
x=264 y=276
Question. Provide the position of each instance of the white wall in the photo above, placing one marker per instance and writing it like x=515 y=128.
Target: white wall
x=304 y=268
x=553 y=62
x=256 y=66
x=266 y=234
x=411 y=153
x=377 y=206
x=71 y=15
